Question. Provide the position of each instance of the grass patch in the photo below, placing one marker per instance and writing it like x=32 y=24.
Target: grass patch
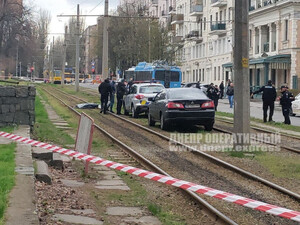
x=9 y=129
x=166 y=218
x=45 y=131
x=243 y=154
x=287 y=167
x=7 y=175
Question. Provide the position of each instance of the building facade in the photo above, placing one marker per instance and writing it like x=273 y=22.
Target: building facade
x=90 y=56
x=204 y=32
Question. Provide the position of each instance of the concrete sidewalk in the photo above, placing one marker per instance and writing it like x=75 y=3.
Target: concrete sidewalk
x=22 y=208
x=256 y=111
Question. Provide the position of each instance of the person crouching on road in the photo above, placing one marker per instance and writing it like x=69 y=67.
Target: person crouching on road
x=286 y=103
x=269 y=96
x=121 y=90
x=230 y=94
x=105 y=91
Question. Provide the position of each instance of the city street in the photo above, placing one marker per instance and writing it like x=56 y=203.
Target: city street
x=257 y=112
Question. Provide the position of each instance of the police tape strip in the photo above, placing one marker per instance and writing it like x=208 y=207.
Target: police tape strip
x=253 y=204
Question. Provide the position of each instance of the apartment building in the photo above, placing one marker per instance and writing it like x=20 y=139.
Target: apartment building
x=90 y=56
x=204 y=30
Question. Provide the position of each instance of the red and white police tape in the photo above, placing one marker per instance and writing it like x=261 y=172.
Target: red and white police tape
x=253 y=204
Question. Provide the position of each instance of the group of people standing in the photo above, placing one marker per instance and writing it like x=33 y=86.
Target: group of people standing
x=108 y=89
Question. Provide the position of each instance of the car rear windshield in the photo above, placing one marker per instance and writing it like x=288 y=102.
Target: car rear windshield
x=151 y=89
x=186 y=94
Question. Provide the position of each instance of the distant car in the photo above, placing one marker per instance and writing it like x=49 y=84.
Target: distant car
x=203 y=87
x=137 y=100
x=88 y=80
x=181 y=105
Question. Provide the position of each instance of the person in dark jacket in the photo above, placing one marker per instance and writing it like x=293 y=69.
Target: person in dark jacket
x=112 y=95
x=269 y=96
x=105 y=91
x=286 y=103
x=216 y=96
x=221 y=89
x=210 y=91
x=121 y=90
x=230 y=94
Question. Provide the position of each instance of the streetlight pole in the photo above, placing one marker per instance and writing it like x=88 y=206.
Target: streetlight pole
x=20 y=74
x=17 y=59
x=64 y=57
x=241 y=76
x=105 y=43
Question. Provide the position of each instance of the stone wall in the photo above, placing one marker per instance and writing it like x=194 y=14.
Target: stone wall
x=17 y=105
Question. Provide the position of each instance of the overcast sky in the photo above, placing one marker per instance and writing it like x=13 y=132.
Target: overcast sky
x=67 y=7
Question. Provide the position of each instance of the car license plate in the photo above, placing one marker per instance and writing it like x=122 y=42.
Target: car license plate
x=144 y=102
x=192 y=106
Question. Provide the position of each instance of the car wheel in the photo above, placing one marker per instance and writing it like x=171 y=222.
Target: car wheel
x=134 y=113
x=151 y=122
x=126 y=112
x=209 y=126
x=163 y=123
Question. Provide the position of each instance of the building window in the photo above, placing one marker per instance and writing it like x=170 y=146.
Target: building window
x=200 y=75
x=211 y=18
x=215 y=73
x=204 y=23
x=203 y=74
x=219 y=71
x=196 y=75
x=229 y=14
x=286 y=30
x=250 y=38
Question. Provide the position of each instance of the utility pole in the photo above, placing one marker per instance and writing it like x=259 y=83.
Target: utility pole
x=33 y=74
x=149 y=24
x=241 y=76
x=64 y=58
x=105 y=43
x=20 y=74
x=77 y=52
x=52 y=61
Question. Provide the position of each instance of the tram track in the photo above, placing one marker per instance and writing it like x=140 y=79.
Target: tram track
x=209 y=157
x=219 y=217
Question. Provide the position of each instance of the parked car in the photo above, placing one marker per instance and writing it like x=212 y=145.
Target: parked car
x=295 y=106
x=203 y=87
x=181 y=105
x=137 y=100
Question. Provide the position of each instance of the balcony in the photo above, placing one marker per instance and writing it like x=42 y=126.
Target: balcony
x=218 y=3
x=172 y=10
x=196 y=10
x=177 y=19
x=194 y=35
x=177 y=39
x=218 y=28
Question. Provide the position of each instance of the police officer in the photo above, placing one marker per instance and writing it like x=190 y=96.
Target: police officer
x=268 y=97
x=121 y=90
x=286 y=103
x=105 y=91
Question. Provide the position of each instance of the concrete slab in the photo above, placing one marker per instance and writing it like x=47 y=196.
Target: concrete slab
x=111 y=177
x=57 y=162
x=107 y=187
x=83 y=212
x=111 y=183
x=144 y=220
x=25 y=170
x=65 y=158
x=72 y=183
x=124 y=211
x=106 y=173
x=4 y=141
x=76 y=219
x=42 y=154
x=42 y=172
x=21 y=207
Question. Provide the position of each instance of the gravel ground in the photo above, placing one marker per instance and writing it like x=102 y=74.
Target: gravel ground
x=199 y=170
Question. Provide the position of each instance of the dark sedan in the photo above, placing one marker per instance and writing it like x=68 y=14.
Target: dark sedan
x=181 y=105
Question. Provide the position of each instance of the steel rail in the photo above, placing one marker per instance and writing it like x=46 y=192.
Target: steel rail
x=210 y=210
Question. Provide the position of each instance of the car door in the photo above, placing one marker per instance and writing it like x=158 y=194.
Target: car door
x=129 y=97
x=160 y=105
x=153 y=107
